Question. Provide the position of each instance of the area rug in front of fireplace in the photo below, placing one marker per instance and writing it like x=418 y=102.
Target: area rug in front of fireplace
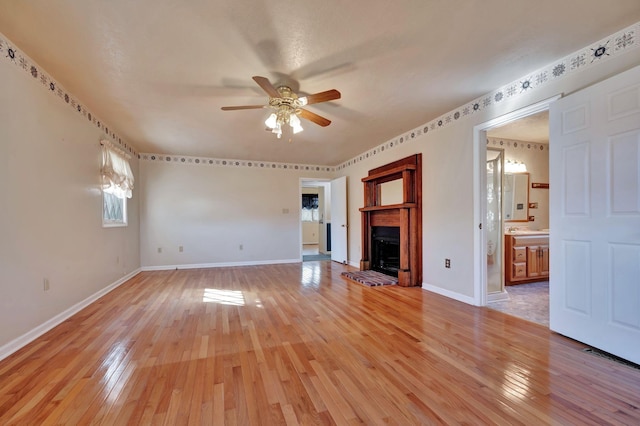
x=370 y=278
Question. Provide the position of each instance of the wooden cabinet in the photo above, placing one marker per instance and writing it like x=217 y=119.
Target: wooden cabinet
x=526 y=258
x=538 y=261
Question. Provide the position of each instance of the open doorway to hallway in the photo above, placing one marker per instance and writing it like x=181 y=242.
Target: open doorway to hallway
x=315 y=218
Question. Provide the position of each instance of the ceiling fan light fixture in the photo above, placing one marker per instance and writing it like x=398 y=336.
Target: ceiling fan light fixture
x=286 y=106
x=277 y=129
x=294 y=122
x=271 y=121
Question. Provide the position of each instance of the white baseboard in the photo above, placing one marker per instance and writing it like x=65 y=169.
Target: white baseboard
x=218 y=265
x=448 y=293
x=30 y=336
x=355 y=264
x=497 y=296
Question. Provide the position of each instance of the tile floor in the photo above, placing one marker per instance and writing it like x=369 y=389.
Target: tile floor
x=310 y=249
x=528 y=301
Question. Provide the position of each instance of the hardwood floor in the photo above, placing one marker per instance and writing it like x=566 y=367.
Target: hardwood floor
x=297 y=344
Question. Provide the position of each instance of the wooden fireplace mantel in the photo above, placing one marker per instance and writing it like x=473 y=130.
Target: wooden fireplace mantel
x=406 y=215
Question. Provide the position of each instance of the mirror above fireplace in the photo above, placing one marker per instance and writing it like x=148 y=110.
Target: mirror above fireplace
x=390 y=192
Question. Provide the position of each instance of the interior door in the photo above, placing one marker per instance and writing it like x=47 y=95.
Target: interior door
x=339 y=219
x=594 y=171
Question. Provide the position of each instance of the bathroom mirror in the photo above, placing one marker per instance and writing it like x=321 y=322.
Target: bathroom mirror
x=516 y=197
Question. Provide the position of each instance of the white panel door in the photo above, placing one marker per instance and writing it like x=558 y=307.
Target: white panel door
x=339 y=219
x=594 y=172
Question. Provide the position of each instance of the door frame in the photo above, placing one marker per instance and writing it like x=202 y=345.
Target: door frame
x=480 y=191
x=306 y=183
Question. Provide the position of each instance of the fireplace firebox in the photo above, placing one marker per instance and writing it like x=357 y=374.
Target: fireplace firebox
x=385 y=249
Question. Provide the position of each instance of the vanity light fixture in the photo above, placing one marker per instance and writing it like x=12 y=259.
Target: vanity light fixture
x=512 y=166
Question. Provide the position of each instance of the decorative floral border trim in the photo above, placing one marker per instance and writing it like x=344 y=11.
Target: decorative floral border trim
x=615 y=45
x=221 y=162
x=512 y=143
x=9 y=52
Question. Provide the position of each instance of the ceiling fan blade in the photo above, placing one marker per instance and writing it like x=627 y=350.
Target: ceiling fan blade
x=311 y=116
x=233 y=108
x=328 y=95
x=266 y=86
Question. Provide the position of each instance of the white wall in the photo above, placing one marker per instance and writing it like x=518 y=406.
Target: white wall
x=310 y=233
x=51 y=209
x=449 y=221
x=212 y=210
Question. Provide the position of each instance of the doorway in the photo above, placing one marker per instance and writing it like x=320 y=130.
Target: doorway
x=315 y=220
x=482 y=134
x=524 y=233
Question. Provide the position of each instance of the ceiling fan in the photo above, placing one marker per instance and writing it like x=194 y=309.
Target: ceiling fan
x=287 y=106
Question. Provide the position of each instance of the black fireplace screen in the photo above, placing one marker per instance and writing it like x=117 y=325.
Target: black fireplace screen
x=385 y=249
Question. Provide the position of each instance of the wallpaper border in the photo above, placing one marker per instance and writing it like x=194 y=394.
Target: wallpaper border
x=223 y=162
x=10 y=53
x=615 y=45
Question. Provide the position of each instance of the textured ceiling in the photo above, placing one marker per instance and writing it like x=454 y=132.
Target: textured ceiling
x=534 y=128
x=159 y=71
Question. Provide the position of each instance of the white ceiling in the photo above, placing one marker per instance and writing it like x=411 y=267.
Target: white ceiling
x=159 y=71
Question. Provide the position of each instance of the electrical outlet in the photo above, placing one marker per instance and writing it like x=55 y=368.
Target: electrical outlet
x=45 y=283
x=159 y=249
x=180 y=249
x=241 y=247
x=447 y=263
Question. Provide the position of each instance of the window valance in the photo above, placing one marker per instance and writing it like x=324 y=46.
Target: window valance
x=116 y=174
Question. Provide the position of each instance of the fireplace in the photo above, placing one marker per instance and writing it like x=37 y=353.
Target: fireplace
x=392 y=231
x=385 y=249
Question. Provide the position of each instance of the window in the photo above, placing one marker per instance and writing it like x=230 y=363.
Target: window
x=117 y=185
x=114 y=210
x=310 y=210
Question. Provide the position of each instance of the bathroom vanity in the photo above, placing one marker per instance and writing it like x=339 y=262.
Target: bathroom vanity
x=526 y=257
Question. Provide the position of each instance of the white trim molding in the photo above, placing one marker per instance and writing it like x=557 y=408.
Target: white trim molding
x=218 y=265
x=30 y=336
x=448 y=293
x=480 y=191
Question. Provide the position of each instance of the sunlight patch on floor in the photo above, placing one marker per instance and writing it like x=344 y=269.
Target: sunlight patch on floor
x=223 y=297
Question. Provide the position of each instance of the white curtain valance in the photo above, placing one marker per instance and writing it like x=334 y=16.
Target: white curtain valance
x=117 y=177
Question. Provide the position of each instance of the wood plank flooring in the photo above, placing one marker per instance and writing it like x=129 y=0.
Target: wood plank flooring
x=297 y=344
